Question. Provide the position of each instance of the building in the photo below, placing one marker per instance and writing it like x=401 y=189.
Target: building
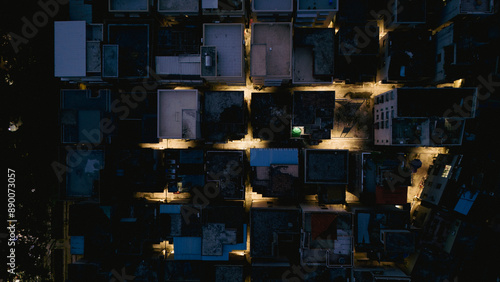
x=311 y=13
x=220 y=9
x=441 y=172
x=383 y=233
x=456 y=10
x=313 y=113
x=358 y=52
x=222 y=57
x=384 y=178
x=272 y=11
x=184 y=170
x=179 y=114
x=326 y=236
x=177 y=55
x=81 y=116
x=78 y=54
x=275 y=172
x=131 y=171
x=271 y=53
x=212 y=234
x=406 y=14
x=313 y=56
x=326 y=166
x=405 y=117
x=225 y=170
x=463 y=50
x=271 y=115
x=224 y=116
x=274 y=232
x=406 y=57
x=128 y=6
x=179 y=8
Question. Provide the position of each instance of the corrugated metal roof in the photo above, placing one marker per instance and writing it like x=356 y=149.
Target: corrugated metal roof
x=170 y=209
x=70 y=49
x=77 y=245
x=186 y=65
x=266 y=157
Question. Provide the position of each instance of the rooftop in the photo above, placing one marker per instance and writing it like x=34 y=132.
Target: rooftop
x=223 y=5
x=275 y=172
x=266 y=223
x=70 y=49
x=178 y=6
x=331 y=5
x=228 y=41
x=178 y=65
x=178 y=114
x=271 y=50
x=225 y=168
x=81 y=113
x=82 y=180
x=326 y=166
x=271 y=109
x=128 y=5
x=409 y=55
x=414 y=102
x=224 y=116
x=272 y=6
x=314 y=110
x=370 y=223
x=313 y=54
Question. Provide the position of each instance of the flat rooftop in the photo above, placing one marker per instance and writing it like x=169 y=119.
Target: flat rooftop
x=313 y=54
x=178 y=114
x=226 y=168
x=178 y=6
x=323 y=5
x=80 y=181
x=309 y=105
x=433 y=102
x=265 y=222
x=224 y=115
x=271 y=109
x=128 y=5
x=70 y=49
x=271 y=53
x=326 y=166
x=228 y=39
x=274 y=5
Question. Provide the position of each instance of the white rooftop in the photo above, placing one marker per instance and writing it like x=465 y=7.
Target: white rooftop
x=183 y=64
x=228 y=38
x=70 y=49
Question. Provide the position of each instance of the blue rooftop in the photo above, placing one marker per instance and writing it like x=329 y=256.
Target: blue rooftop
x=267 y=157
